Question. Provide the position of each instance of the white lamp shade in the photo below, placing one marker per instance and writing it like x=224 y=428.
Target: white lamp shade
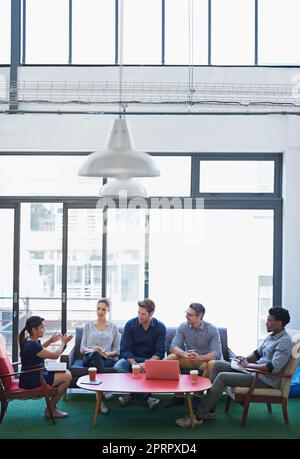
x=119 y=159
x=123 y=188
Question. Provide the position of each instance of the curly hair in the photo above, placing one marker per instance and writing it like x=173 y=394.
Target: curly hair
x=281 y=314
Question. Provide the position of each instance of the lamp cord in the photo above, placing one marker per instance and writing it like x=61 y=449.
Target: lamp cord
x=121 y=35
x=191 y=52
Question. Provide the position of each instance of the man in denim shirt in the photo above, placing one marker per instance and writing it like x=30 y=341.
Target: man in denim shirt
x=272 y=356
x=196 y=345
x=144 y=337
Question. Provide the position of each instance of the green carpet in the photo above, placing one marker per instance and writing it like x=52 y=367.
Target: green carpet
x=24 y=420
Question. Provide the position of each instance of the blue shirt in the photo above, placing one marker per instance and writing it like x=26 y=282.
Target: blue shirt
x=30 y=360
x=140 y=343
x=274 y=352
x=203 y=339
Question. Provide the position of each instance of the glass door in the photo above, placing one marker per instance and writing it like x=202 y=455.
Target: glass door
x=7 y=226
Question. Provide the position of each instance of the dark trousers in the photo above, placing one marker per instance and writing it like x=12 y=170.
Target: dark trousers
x=94 y=359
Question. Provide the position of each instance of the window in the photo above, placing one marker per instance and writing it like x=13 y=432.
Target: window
x=215 y=257
x=142 y=32
x=126 y=261
x=84 y=270
x=93 y=32
x=42 y=217
x=130 y=282
x=279 y=33
x=178 y=29
x=174 y=179
x=6 y=275
x=47 y=31
x=40 y=287
x=45 y=175
x=236 y=176
x=232 y=32
x=4 y=33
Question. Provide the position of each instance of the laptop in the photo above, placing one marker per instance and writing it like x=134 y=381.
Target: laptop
x=162 y=369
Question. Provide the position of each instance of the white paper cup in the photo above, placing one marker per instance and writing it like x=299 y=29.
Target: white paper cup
x=194 y=375
x=135 y=370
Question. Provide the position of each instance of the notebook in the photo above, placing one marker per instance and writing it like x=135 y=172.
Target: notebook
x=53 y=365
x=237 y=367
x=162 y=369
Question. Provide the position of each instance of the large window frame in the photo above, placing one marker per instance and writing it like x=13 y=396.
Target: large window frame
x=18 y=13
x=272 y=201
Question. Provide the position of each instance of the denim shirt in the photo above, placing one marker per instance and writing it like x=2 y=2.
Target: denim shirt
x=274 y=352
x=138 y=342
x=203 y=340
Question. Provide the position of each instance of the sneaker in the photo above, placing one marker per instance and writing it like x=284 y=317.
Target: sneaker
x=103 y=408
x=126 y=399
x=153 y=402
x=186 y=421
x=174 y=401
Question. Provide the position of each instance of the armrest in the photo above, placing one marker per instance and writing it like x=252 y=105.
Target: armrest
x=68 y=354
x=22 y=372
x=268 y=373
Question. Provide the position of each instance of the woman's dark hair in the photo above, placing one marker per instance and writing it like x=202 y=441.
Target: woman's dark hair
x=148 y=304
x=105 y=301
x=198 y=308
x=281 y=314
x=32 y=322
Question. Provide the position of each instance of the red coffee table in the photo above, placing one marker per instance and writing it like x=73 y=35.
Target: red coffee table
x=126 y=382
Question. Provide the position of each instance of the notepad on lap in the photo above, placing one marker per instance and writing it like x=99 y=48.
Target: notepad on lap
x=236 y=366
x=52 y=365
x=162 y=369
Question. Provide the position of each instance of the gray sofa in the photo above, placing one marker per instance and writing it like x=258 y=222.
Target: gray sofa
x=73 y=357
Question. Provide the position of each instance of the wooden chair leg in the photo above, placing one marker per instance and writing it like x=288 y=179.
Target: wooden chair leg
x=227 y=404
x=245 y=413
x=284 y=410
x=269 y=407
x=4 y=405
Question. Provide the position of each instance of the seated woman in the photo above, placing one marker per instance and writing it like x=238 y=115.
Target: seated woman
x=100 y=342
x=33 y=353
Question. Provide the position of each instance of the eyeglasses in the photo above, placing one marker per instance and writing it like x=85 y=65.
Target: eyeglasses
x=189 y=314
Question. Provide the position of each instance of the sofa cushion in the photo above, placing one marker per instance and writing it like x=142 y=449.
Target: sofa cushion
x=170 y=335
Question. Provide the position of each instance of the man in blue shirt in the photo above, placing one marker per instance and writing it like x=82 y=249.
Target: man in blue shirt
x=272 y=357
x=144 y=337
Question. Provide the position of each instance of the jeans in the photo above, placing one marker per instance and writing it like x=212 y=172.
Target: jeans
x=95 y=359
x=222 y=376
x=123 y=366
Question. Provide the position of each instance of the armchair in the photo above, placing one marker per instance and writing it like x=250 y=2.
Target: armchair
x=9 y=386
x=244 y=395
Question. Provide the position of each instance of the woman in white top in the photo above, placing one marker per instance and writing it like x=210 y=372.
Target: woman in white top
x=100 y=344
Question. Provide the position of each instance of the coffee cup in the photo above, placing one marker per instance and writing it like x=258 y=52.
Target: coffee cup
x=135 y=370
x=92 y=373
x=194 y=375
